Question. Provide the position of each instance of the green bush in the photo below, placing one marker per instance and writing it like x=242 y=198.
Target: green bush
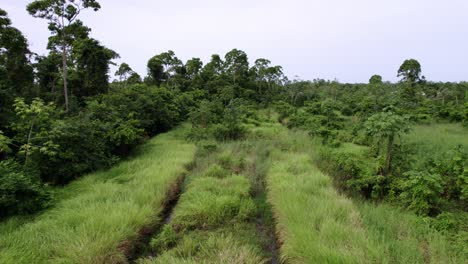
x=453 y=167
x=354 y=172
x=421 y=191
x=225 y=132
x=20 y=193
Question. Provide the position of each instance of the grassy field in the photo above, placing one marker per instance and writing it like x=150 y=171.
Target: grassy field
x=315 y=224
x=101 y=210
x=437 y=138
x=216 y=219
x=238 y=199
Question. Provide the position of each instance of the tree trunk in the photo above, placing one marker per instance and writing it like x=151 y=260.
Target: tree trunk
x=65 y=75
x=29 y=141
x=388 y=161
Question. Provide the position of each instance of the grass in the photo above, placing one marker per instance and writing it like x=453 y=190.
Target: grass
x=101 y=210
x=236 y=197
x=215 y=218
x=231 y=244
x=211 y=202
x=437 y=138
x=316 y=224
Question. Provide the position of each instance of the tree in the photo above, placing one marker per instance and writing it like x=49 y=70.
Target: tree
x=134 y=78
x=376 y=83
x=386 y=126
x=124 y=72
x=33 y=126
x=16 y=71
x=266 y=77
x=193 y=67
x=61 y=14
x=163 y=66
x=91 y=67
x=236 y=66
x=48 y=73
x=410 y=72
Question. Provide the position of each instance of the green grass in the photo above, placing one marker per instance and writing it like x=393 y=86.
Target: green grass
x=214 y=220
x=234 y=244
x=437 y=138
x=211 y=202
x=101 y=210
x=316 y=224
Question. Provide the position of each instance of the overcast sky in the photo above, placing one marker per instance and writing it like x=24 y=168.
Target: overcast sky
x=349 y=40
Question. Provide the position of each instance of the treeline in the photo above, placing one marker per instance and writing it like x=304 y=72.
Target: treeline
x=61 y=118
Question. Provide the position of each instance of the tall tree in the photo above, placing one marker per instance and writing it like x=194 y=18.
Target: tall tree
x=163 y=66
x=16 y=72
x=124 y=72
x=92 y=66
x=236 y=66
x=266 y=77
x=375 y=83
x=61 y=14
x=410 y=73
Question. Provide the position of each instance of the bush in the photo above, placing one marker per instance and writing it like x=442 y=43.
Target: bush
x=83 y=146
x=354 y=172
x=20 y=193
x=453 y=167
x=421 y=191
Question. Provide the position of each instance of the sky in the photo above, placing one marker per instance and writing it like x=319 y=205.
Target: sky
x=347 y=40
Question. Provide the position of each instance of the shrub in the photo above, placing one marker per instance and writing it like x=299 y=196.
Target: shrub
x=354 y=172
x=225 y=132
x=20 y=193
x=452 y=166
x=421 y=191
x=83 y=146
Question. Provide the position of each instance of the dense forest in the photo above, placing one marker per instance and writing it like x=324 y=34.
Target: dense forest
x=401 y=144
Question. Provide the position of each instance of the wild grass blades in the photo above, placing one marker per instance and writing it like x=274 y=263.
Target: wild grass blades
x=102 y=209
x=215 y=219
x=316 y=224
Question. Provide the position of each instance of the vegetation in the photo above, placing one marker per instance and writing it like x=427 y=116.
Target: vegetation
x=291 y=170
x=102 y=210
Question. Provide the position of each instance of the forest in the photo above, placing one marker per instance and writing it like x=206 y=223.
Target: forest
x=224 y=161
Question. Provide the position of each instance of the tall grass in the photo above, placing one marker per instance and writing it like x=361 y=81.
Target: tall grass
x=101 y=210
x=437 y=138
x=316 y=224
x=213 y=222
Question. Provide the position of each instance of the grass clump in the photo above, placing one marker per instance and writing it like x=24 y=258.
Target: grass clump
x=211 y=202
x=212 y=247
x=101 y=210
x=216 y=171
x=166 y=239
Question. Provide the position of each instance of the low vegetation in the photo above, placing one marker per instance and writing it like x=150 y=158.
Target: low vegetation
x=281 y=170
x=102 y=210
x=334 y=229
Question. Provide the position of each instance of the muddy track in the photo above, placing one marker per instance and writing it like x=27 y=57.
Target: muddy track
x=136 y=248
x=266 y=228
